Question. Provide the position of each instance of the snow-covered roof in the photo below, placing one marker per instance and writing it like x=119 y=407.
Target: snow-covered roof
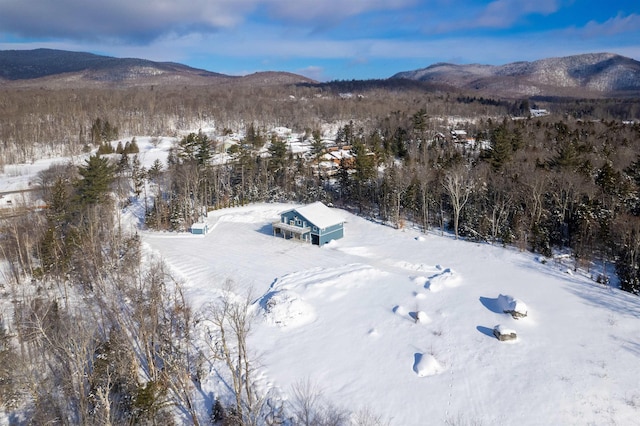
x=199 y=226
x=320 y=215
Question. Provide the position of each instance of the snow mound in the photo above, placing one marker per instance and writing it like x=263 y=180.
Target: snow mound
x=510 y=305
x=422 y=317
x=286 y=308
x=420 y=238
x=446 y=279
x=399 y=310
x=329 y=283
x=427 y=365
x=421 y=281
x=418 y=267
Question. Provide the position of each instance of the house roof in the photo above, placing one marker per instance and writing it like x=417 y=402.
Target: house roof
x=320 y=215
x=199 y=225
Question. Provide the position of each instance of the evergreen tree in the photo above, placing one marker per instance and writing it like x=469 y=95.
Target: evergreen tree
x=253 y=137
x=278 y=154
x=133 y=147
x=123 y=164
x=97 y=176
x=187 y=148
x=504 y=143
x=138 y=174
x=317 y=147
x=218 y=413
x=628 y=251
x=54 y=256
x=633 y=200
x=155 y=170
x=103 y=131
x=203 y=153
x=105 y=148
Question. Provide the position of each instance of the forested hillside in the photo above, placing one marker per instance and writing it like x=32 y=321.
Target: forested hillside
x=101 y=335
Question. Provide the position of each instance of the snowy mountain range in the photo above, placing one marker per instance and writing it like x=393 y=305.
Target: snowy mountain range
x=59 y=68
x=588 y=75
x=580 y=75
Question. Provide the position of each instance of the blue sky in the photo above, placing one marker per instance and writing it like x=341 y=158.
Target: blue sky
x=324 y=39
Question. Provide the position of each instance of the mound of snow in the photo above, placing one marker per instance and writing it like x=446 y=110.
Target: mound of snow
x=399 y=310
x=421 y=281
x=427 y=365
x=517 y=308
x=422 y=317
x=286 y=308
x=446 y=279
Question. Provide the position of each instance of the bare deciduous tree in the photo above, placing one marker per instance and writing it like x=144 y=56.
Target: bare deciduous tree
x=230 y=319
x=459 y=186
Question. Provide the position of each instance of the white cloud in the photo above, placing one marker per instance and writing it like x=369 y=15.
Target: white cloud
x=618 y=25
x=331 y=10
x=145 y=20
x=504 y=13
x=313 y=72
x=132 y=20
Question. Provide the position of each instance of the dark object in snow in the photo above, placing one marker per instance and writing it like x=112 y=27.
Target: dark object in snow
x=504 y=334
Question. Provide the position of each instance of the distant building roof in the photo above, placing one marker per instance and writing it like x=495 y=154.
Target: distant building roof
x=320 y=215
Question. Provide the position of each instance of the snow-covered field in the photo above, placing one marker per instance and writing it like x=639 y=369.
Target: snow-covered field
x=402 y=323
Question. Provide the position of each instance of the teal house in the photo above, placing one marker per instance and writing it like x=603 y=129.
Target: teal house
x=314 y=223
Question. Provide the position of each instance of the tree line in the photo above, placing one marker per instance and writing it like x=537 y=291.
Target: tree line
x=101 y=335
x=35 y=122
x=542 y=184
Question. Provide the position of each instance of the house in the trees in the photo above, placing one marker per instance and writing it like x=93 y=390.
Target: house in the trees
x=314 y=223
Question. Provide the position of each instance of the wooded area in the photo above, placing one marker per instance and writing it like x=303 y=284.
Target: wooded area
x=102 y=336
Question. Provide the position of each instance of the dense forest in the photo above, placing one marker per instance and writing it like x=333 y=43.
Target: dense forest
x=538 y=183
x=102 y=335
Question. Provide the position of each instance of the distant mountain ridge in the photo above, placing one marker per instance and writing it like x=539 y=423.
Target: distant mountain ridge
x=588 y=74
x=60 y=68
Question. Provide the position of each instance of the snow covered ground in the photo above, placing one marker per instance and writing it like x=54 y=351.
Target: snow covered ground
x=345 y=316
x=402 y=323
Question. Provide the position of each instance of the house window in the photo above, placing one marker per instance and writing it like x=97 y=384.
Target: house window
x=315 y=228
x=298 y=222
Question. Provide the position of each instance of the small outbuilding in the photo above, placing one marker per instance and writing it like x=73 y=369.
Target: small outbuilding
x=314 y=223
x=199 y=228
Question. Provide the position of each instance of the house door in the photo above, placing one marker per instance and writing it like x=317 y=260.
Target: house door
x=315 y=239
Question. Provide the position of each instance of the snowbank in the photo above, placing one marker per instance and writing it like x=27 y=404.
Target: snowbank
x=286 y=309
x=426 y=365
x=446 y=279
